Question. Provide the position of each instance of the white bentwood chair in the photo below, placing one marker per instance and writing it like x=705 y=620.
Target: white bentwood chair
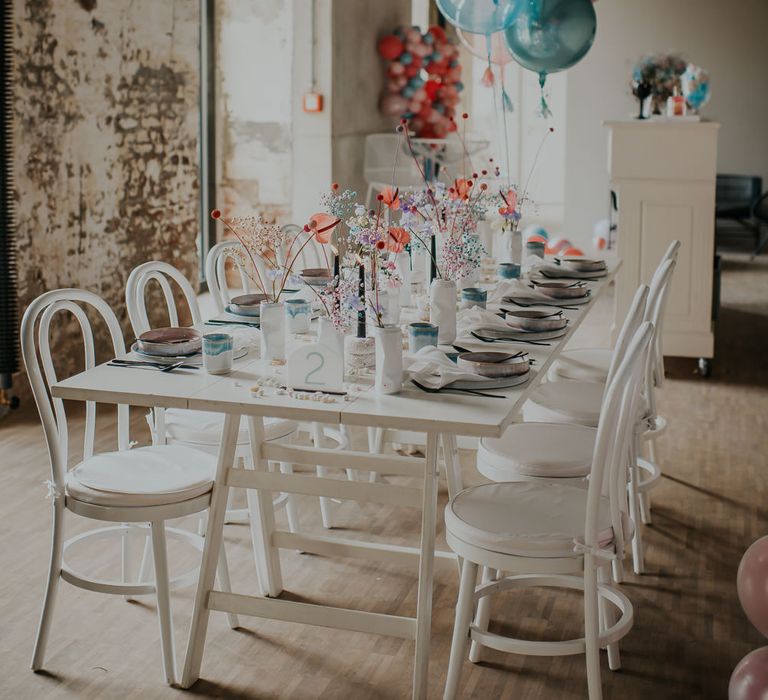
x=218 y=284
x=198 y=429
x=562 y=452
x=554 y=535
x=129 y=488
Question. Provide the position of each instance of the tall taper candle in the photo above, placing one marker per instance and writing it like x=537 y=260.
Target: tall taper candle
x=361 y=321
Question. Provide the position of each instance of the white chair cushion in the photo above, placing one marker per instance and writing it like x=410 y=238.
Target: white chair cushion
x=145 y=476
x=553 y=450
x=525 y=518
x=585 y=364
x=567 y=401
x=204 y=427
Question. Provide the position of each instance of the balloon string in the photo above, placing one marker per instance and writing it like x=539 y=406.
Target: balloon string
x=545 y=110
x=504 y=100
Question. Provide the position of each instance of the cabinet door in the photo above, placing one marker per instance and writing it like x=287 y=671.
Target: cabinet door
x=651 y=216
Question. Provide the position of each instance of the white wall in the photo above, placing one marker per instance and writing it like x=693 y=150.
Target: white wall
x=726 y=38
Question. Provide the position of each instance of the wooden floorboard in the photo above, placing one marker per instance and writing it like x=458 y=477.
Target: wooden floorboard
x=689 y=631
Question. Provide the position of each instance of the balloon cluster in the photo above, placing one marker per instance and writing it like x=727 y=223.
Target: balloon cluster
x=749 y=680
x=423 y=79
x=556 y=246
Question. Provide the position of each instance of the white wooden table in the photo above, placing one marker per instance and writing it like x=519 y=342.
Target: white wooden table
x=441 y=417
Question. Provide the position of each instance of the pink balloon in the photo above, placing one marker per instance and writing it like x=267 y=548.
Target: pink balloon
x=393 y=105
x=752 y=584
x=396 y=68
x=414 y=106
x=413 y=35
x=420 y=95
x=749 y=680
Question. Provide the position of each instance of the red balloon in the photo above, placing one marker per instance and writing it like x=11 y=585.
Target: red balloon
x=572 y=252
x=431 y=87
x=390 y=47
x=752 y=584
x=438 y=33
x=749 y=680
x=393 y=105
x=411 y=71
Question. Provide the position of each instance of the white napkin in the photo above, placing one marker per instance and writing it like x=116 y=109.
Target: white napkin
x=474 y=319
x=430 y=367
x=517 y=289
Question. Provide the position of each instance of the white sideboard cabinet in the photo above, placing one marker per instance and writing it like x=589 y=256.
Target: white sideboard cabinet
x=663 y=173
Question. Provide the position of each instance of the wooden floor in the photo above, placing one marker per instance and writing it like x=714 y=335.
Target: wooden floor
x=689 y=630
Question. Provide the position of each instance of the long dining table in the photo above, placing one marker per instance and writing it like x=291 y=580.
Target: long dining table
x=441 y=418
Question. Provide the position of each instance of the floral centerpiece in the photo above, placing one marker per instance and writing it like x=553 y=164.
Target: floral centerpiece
x=662 y=72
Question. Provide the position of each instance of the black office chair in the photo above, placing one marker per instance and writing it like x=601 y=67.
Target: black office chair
x=735 y=199
x=760 y=216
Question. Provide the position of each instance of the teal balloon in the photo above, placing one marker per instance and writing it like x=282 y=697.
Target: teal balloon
x=478 y=16
x=547 y=36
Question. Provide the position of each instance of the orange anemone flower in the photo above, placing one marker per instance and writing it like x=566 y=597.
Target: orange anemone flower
x=390 y=198
x=461 y=188
x=397 y=239
x=322 y=225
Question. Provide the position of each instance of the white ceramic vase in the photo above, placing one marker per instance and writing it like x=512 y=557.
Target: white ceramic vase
x=403 y=269
x=272 y=331
x=389 y=359
x=442 y=309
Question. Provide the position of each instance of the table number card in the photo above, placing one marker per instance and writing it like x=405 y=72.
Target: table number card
x=315 y=367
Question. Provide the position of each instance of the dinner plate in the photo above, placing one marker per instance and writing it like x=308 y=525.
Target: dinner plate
x=251 y=314
x=480 y=384
x=536 y=301
x=553 y=272
x=170 y=341
x=195 y=358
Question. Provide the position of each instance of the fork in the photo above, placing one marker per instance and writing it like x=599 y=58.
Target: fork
x=486 y=339
x=117 y=362
x=541 y=303
x=448 y=389
x=161 y=367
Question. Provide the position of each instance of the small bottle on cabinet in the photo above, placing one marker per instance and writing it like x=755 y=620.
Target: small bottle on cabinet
x=676 y=105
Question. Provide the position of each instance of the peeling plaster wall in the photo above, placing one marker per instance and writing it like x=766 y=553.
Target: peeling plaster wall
x=106 y=139
x=254 y=53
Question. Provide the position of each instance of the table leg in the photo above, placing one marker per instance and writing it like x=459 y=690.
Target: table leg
x=213 y=535
x=452 y=464
x=263 y=525
x=426 y=570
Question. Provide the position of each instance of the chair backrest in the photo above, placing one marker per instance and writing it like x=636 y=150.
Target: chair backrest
x=311 y=255
x=632 y=321
x=216 y=272
x=38 y=360
x=737 y=189
x=654 y=312
x=135 y=294
x=615 y=432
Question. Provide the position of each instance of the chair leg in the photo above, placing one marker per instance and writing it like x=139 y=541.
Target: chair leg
x=591 y=630
x=52 y=584
x=225 y=584
x=483 y=616
x=638 y=555
x=146 y=568
x=645 y=496
x=607 y=619
x=461 y=628
x=126 y=553
x=162 y=588
x=290 y=505
x=325 y=502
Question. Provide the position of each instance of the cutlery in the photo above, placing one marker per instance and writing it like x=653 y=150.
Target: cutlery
x=142 y=363
x=449 y=389
x=217 y=322
x=486 y=339
x=458 y=348
x=162 y=368
x=512 y=311
x=541 y=303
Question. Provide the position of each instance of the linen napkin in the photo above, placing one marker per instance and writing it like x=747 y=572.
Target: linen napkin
x=474 y=319
x=430 y=367
x=518 y=289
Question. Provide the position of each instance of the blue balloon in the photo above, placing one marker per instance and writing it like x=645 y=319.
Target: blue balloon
x=436 y=56
x=439 y=107
x=407 y=91
x=459 y=86
x=405 y=58
x=416 y=82
x=547 y=36
x=427 y=38
x=479 y=16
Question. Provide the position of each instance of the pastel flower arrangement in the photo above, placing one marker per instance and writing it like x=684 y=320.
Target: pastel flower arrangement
x=662 y=72
x=270 y=252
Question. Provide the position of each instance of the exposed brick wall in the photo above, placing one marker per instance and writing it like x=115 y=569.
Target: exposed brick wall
x=106 y=142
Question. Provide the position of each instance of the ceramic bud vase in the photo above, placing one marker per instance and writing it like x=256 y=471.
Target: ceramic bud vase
x=328 y=335
x=389 y=359
x=442 y=309
x=516 y=247
x=272 y=332
x=403 y=269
